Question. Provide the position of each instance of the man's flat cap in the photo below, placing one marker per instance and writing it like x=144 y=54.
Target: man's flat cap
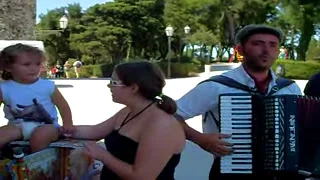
x=252 y=29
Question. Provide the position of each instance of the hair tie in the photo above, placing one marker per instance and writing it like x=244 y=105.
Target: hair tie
x=159 y=98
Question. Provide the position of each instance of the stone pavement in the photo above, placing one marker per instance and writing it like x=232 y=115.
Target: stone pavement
x=91 y=103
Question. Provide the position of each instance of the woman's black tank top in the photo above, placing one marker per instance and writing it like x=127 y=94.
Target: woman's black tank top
x=125 y=149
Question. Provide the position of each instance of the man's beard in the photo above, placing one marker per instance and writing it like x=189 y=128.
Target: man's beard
x=253 y=64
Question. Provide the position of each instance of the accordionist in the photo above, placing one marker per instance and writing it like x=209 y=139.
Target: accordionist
x=259 y=46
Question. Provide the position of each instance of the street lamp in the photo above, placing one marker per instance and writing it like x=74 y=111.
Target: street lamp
x=187 y=29
x=169 y=33
x=63 y=22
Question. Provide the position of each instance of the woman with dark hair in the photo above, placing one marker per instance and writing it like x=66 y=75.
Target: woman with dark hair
x=143 y=140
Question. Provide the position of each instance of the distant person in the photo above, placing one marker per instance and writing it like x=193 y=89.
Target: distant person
x=60 y=71
x=29 y=101
x=67 y=67
x=282 y=52
x=77 y=65
x=54 y=72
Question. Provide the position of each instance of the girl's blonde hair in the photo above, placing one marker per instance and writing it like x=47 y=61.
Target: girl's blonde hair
x=9 y=55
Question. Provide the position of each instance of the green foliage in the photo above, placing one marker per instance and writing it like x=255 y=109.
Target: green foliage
x=298 y=69
x=105 y=70
x=56 y=40
x=123 y=30
x=93 y=71
x=105 y=33
x=313 y=52
x=179 y=70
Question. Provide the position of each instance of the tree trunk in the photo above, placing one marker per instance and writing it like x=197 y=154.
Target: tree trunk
x=180 y=50
x=142 y=52
x=291 y=48
x=211 y=51
x=128 y=52
x=307 y=32
x=117 y=57
x=231 y=28
x=192 y=52
x=220 y=52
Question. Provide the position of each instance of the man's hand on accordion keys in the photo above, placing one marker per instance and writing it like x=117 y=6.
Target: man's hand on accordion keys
x=215 y=144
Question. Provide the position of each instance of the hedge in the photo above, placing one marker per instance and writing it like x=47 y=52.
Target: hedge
x=178 y=70
x=293 y=69
x=302 y=70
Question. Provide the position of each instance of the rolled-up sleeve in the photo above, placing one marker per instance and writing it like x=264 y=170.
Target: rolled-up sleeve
x=196 y=102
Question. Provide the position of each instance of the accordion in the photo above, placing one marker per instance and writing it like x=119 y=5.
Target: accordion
x=270 y=134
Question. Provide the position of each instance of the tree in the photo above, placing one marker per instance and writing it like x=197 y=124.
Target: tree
x=121 y=26
x=57 y=41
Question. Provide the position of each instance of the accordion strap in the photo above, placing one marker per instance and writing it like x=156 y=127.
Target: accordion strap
x=280 y=83
x=229 y=82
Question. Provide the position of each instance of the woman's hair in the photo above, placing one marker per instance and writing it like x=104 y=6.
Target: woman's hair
x=150 y=80
x=9 y=55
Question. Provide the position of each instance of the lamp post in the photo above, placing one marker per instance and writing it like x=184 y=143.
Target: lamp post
x=186 y=31
x=63 y=23
x=169 y=33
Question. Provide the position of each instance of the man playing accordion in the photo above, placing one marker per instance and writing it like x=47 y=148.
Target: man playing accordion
x=259 y=45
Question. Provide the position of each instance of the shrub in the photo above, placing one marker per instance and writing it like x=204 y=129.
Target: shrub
x=178 y=70
x=298 y=69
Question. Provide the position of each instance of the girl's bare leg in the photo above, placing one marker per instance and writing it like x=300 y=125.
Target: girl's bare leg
x=42 y=136
x=9 y=133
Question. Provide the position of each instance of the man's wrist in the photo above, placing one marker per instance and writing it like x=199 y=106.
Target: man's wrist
x=196 y=137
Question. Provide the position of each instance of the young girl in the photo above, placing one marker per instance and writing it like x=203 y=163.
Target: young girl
x=29 y=101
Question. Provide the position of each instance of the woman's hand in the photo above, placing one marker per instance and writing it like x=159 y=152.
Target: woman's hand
x=67 y=130
x=94 y=150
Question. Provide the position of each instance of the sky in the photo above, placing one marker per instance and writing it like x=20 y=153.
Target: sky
x=43 y=6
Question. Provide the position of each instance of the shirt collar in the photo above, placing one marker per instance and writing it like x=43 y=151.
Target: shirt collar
x=240 y=74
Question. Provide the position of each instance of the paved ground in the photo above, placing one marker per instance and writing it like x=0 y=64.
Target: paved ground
x=91 y=103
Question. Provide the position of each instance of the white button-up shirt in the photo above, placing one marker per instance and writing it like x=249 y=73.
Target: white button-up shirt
x=205 y=97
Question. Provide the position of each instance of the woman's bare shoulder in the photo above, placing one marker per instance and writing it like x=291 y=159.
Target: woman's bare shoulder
x=167 y=123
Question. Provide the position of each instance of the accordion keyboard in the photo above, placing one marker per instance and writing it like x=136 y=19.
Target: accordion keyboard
x=236 y=112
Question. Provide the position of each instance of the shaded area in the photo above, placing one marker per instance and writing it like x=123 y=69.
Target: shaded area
x=64 y=86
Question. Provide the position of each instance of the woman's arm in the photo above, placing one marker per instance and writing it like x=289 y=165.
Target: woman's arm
x=98 y=131
x=94 y=132
x=157 y=145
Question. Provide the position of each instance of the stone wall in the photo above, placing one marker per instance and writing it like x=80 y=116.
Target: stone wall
x=17 y=19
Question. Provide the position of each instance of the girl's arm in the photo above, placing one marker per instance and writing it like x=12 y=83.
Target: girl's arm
x=63 y=107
